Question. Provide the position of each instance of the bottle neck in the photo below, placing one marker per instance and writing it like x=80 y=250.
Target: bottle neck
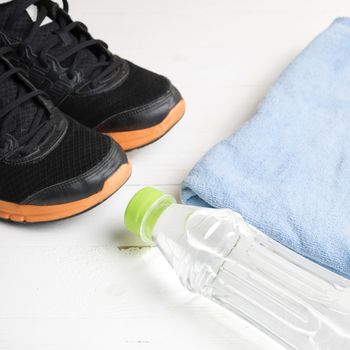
x=152 y=215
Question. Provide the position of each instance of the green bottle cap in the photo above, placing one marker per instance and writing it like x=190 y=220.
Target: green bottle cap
x=144 y=210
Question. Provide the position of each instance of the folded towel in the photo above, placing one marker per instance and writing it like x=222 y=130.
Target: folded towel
x=287 y=170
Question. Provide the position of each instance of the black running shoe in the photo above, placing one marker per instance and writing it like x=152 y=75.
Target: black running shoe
x=51 y=167
x=84 y=79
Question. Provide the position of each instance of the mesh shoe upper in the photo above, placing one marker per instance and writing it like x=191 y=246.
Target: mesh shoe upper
x=79 y=151
x=41 y=154
x=103 y=86
x=141 y=88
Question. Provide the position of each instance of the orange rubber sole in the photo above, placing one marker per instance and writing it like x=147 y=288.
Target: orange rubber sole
x=130 y=140
x=33 y=213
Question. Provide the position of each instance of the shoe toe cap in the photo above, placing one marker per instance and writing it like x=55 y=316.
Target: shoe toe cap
x=81 y=186
x=144 y=116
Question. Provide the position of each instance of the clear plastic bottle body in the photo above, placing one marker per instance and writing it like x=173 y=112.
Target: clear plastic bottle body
x=217 y=254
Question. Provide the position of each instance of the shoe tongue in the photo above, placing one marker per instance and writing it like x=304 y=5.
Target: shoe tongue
x=24 y=115
x=23 y=25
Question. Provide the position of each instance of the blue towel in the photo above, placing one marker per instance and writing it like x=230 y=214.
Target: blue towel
x=287 y=170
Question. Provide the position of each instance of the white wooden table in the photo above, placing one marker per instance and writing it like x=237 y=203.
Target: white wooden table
x=85 y=283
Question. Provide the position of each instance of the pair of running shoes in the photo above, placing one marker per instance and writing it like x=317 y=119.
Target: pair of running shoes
x=69 y=109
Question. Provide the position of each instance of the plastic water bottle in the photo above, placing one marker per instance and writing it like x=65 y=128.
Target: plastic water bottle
x=215 y=253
